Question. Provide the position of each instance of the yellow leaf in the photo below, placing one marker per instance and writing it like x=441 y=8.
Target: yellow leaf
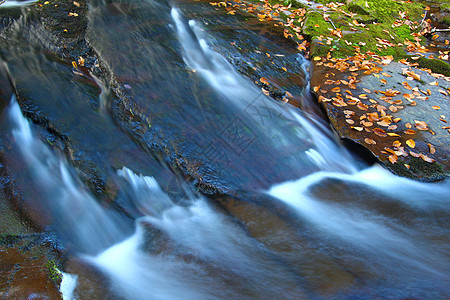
x=436 y=107
x=411 y=143
x=317 y=58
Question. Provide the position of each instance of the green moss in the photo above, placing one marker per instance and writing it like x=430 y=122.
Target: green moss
x=435 y=65
x=357 y=9
x=53 y=271
x=387 y=10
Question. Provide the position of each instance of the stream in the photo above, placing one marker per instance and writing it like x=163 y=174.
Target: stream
x=174 y=176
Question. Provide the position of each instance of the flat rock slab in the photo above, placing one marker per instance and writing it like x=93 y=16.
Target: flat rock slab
x=395 y=110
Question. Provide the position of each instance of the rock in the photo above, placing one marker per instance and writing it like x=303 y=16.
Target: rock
x=410 y=98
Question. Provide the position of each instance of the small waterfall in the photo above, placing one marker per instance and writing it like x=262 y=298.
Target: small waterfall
x=176 y=250
x=403 y=252
x=75 y=213
x=325 y=152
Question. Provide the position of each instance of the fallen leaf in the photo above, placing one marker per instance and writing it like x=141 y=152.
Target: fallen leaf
x=396 y=120
x=349 y=121
x=392 y=134
x=393 y=158
x=408 y=125
x=74 y=64
x=409 y=131
x=432 y=149
x=396 y=143
x=81 y=61
x=317 y=58
x=336 y=90
x=436 y=107
x=362 y=106
x=264 y=80
x=383 y=81
x=358 y=128
x=411 y=143
x=370 y=141
x=435 y=83
x=407 y=166
x=414 y=154
x=76 y=4
x=379 y=132
x=421 y=125
x=426 y=158
x=393 y=108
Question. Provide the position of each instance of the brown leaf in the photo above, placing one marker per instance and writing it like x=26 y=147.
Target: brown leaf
x=421 y=125
x=426 y=158
x=350 y=121
x=367 y=124
x=362 y=106
x=411 y=143
x=370 y=141
x=393 y=108
x=379 y=132
x=432 y=149
x=414 y=154
x=384 y=123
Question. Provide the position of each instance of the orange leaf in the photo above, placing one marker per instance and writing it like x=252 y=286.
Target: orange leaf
x=410 y=131
x=379 y=132
x=393 y=158
x=383 y=81
x=336 y=90
x=396 y=120
x=436 y=107
x=264 y=80
x=392 y=134
x=432 y=149
x=396 y=143
x=358 y=128
x=362 y=106
x=411 y=143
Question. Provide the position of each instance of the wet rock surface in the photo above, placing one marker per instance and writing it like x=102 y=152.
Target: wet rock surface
x=413 y=139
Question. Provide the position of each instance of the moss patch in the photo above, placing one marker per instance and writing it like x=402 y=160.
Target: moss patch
x=435 y=65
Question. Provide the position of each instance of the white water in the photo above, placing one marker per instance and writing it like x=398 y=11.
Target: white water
x=76 y=214
x=10 y=3
x=325 y=153
x=195 y=252
x=402 y=253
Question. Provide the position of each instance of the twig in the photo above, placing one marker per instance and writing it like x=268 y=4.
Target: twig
x=423 y=18
x=329 y=20
x=439 y=30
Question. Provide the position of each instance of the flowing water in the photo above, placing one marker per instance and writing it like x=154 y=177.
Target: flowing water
x=302 y=218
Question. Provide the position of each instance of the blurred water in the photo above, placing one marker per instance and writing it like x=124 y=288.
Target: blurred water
x=357 y=233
